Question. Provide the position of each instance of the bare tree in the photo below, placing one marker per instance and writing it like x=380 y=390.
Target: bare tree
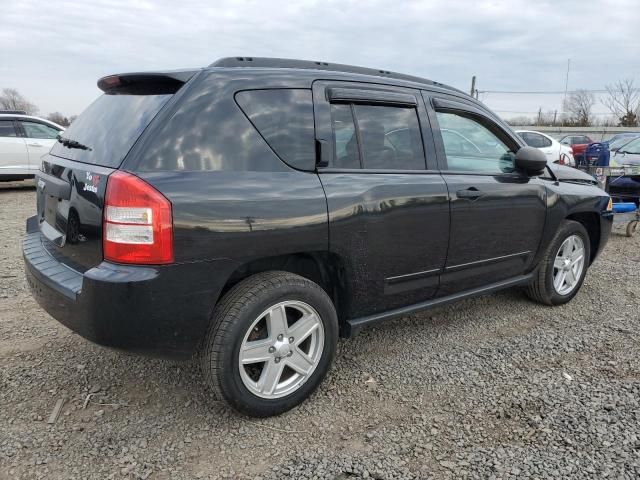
x=578 y=107
x=623 y=100
x=520 y=121
x=11 y=99
x=57 y=117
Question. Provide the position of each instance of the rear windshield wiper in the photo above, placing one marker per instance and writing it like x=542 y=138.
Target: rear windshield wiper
x=67 y=142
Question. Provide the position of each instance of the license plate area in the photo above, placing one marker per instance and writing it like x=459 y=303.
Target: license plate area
x=53 y=225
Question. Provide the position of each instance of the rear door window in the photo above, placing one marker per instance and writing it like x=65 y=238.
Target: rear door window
x=38 y=130
x=7 y=129
x=284 y=118
x=346 y=153
x=376 y=137
x=535 y=140
x=105 y=132
x=390 y=137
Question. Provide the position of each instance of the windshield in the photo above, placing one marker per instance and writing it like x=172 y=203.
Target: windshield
x=621 y=143
x=105 y=132
x=631 y=147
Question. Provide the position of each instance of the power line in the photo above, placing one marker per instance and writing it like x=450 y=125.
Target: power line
x=535 y=113
x=541 y=92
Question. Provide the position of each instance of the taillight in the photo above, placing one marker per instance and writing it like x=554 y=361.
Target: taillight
x=571 y=150
x=137 y=223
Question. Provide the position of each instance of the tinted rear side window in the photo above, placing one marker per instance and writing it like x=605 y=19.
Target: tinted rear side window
x=390 y=137
x=535 y=140
x=284 y=118
x=109 y=127
x=346 y=153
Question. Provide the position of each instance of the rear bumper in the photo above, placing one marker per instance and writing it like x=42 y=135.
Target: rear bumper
x=155 y=311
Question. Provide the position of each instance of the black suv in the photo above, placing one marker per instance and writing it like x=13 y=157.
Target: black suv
x=253 y=211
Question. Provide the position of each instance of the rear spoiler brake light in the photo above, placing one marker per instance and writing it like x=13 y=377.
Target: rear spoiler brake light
x=149 y=83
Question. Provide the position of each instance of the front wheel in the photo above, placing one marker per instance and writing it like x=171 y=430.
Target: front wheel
x=563 y=266
x=270 y=344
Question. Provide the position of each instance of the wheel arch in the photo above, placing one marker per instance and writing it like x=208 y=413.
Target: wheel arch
x=591 y=222
x=323 y=268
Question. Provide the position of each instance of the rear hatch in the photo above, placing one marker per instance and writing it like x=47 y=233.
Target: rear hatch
x=73 y=179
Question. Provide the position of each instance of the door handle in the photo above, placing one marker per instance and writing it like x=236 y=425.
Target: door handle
x=34 y=144
x=470 y=193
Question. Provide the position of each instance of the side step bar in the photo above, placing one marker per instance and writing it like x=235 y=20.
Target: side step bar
x=353 y=326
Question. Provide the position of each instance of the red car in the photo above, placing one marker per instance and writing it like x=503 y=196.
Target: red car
x=578 y=144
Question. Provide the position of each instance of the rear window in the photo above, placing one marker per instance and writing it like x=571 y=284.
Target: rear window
x=109 y=128
x=284 y=118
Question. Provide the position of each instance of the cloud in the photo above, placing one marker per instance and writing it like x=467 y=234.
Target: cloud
x=54 y=52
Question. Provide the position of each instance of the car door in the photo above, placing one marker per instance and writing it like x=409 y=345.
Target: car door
x=388 y=207
x=39 y=138
x=14 y=158
x=497 y=213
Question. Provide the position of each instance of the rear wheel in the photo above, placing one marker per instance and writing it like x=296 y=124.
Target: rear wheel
x=270 y=344
x=563 y=266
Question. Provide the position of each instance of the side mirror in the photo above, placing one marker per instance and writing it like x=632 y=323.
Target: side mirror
x=530 y=160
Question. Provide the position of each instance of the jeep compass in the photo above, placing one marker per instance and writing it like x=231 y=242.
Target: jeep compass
x=251 y=212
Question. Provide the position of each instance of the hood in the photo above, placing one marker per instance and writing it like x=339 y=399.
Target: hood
x=569 y=174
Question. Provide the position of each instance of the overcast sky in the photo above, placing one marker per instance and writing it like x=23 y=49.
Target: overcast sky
x=54 y=51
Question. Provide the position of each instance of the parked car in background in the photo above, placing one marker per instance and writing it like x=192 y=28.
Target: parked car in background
x=253 y=211
x=626 y=187
x=553 y=149
x=616 y=143
x=621 y=136
x=578 y=144
x=23 y=140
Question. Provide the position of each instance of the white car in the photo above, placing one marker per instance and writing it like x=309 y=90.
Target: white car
x=23 y=140
x=554 y=150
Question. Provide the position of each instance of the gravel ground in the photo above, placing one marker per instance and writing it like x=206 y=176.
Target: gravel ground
x=494 y=387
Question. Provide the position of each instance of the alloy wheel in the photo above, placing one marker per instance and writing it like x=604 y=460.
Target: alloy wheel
x=568 y=265
x=281 y=349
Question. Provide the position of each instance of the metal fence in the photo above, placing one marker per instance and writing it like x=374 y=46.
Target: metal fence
x=597 y=134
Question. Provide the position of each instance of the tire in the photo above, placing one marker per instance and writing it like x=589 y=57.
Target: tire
x=242 y=323
x=632 y=228
x=542 y=289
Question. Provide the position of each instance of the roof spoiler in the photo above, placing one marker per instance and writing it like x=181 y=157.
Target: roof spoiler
x=145 y=83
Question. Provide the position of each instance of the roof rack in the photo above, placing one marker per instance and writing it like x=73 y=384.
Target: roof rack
x=266 y=62
x=13 y=112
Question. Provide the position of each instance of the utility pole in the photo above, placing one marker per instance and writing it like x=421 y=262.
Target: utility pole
x=473 y=87
x=566 y=87
x=539 y=116
x=555 y=114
